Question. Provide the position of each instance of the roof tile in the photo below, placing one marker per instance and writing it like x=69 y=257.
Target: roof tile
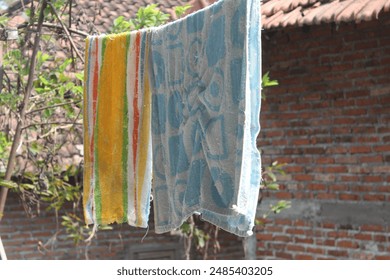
x=371 y=10
x=282 y=13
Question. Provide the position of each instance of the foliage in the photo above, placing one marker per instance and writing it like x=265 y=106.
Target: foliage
x=149 y=16
x=51 y=119
x=267 y=82
x=271 y=173
x=181 y=10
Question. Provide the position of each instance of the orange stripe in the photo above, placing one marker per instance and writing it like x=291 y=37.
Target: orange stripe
x=136 y=114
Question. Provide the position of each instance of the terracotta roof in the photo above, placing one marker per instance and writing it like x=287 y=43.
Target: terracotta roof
x=283 y=13
x=98 y=15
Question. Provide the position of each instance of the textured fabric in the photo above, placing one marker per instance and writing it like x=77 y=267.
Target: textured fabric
x=117 y=132
x=205 y=79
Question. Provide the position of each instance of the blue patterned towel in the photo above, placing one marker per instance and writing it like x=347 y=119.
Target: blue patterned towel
x=205 y=79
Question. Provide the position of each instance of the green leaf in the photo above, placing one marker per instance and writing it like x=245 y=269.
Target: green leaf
x=280 y=206
x=201 y=242
x=267 y=82
x=273 y=186
x=8 y=184
x=272 y=176
x=80 y=76
x=119 y=20
x=28 y=186
x=181 y=10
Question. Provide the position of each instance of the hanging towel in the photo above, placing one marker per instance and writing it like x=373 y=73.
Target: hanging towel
x=205 y=79
x=117 y=129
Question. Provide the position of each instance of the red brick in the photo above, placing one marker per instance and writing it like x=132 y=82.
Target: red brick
x=303 y=177
x=293 y=247
x=363 y=236
x=380 y=91
x=316 y=187
x=263 y=253
x=329 y=242
x=300 y=223
x=382 y=148
x=336 y=253
x=325 y=160
x=347 y=159
x=293 y=169
x=360 y=149
x=371 y=159
x=351 y=178
x=282 y=255
x=304 y=240
x=264 y=237
x=294 y=231
x=383 y=257
x=374 y=197
x=372 y=228
x=274 y=133
x=328 y=225
x=275 y=229
x=336 y=169
x=348 y=196
x=347 y=244
x=338 y=188
x=355 y=112
x=338 y=234
x=282 y=238
x=372 y=179
x=316 y=251
x=284 y=195
x=298 y=142
x=380 y=238
x=303 y=257
x=381 y=169
x=338 y=150
x=283 y=222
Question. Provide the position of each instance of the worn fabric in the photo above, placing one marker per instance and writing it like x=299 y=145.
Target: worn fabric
x=117 y=129
x=205 y=79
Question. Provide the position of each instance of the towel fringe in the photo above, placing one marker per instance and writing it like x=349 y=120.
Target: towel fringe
x=147 y=231
x=93 y=233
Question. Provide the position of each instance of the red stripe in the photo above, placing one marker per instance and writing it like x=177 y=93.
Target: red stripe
x=135 y=100
x=136 y=116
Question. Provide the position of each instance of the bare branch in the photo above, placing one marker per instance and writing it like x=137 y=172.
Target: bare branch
x=27 y=94
x=66 y=32
x=51 y=123
x=52 y=106
x=58 y=27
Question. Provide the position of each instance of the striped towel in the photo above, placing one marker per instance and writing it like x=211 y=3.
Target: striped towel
x=205 y=78
x=117 y=133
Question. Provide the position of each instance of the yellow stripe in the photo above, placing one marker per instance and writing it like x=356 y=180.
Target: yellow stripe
x=144 y=138
x=87 y=157
x=110 y=129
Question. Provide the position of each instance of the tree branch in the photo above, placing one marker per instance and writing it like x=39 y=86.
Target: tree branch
x=55 y=26
x=52 y=106
x=27 y=94
x=66 y=32
x=51 y=123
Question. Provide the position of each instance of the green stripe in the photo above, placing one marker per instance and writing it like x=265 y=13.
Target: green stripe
x=125 y=142
x=98 y=194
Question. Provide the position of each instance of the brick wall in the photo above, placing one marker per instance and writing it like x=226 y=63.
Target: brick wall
x=23 y=238
x=329 y=120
